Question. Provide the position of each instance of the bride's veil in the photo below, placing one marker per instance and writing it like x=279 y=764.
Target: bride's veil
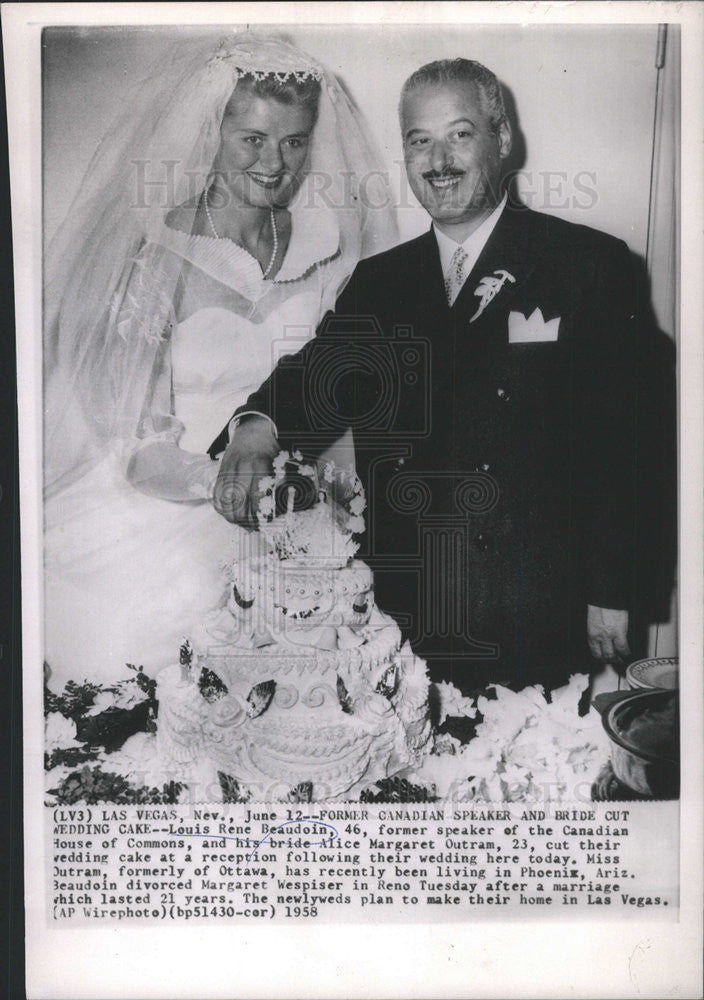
x=110 y=283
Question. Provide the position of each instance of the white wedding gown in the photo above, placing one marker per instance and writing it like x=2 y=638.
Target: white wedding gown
x=128 y=575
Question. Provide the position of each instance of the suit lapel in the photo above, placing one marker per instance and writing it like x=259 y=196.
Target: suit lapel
x=507 y=252
x=513 y=247
x=431 y=284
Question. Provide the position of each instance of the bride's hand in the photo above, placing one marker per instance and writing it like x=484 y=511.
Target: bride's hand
x=247 y=459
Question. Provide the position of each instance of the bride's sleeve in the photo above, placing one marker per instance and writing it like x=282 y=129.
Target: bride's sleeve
x=159 y=468
x=154 y=463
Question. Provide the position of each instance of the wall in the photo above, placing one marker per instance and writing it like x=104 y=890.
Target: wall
x=584 y=100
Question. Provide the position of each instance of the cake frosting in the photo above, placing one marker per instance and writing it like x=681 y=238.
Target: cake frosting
x=298 y=685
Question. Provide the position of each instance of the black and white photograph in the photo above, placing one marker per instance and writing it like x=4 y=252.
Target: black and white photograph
x=352 y=485
x=500 y=383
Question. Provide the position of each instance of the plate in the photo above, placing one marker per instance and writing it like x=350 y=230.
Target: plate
x=657 y=672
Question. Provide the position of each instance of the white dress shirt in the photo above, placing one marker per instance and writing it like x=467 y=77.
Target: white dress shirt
x=473 y=245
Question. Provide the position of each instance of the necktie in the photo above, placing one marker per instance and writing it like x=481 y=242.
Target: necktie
x=454 y=279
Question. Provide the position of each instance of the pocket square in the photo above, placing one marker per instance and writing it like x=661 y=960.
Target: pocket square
x=531 y=329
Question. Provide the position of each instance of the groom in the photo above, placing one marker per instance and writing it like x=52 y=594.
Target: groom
x=487 y=371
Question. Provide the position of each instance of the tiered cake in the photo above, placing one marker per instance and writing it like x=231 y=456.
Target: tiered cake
x=299 y=685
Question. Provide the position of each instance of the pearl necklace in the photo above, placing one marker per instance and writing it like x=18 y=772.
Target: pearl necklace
x=274 y=233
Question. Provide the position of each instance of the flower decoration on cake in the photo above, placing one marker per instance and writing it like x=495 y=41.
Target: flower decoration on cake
x=308 y=514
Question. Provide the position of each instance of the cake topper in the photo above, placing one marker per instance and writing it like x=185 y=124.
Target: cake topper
x=310 y=512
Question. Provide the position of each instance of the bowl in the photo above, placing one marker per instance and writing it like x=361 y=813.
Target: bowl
x=643 y=728
x=657 y=672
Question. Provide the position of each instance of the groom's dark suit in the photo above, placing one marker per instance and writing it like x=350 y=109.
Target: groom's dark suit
x=498 y=457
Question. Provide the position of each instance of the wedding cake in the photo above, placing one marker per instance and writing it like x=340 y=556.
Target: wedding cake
x=299 y=685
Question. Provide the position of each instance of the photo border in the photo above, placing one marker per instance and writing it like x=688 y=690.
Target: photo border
x=450 y=960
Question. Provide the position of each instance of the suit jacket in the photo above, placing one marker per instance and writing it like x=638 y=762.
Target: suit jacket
x=498 y=459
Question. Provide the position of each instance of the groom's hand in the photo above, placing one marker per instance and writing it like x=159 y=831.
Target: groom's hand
x=607 y=634
x=247 y=459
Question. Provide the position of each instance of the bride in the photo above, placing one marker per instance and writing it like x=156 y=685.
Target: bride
x=218 y=221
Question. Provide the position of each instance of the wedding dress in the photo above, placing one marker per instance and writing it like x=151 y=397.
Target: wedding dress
x=154 y=336
x=128 y=574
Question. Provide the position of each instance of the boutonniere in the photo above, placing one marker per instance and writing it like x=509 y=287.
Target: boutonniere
x=488 y=288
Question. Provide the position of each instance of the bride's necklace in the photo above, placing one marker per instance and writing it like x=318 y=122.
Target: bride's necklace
x=274 y=233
